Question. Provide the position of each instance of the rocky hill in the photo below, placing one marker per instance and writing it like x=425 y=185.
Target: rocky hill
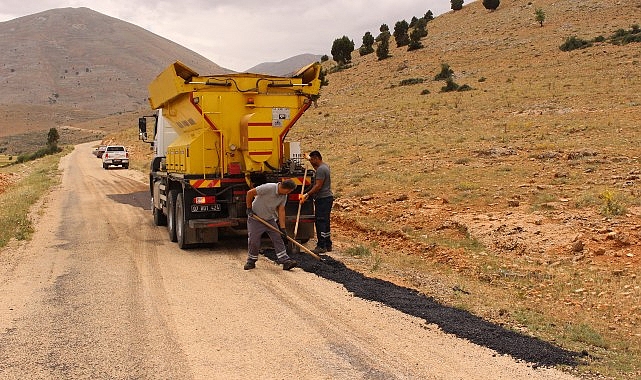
x=64 y=66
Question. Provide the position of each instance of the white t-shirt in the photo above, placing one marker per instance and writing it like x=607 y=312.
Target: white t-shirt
x=267 y=201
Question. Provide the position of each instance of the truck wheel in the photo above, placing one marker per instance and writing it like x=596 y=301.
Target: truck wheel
x=171 y=214
x=181 y=223
x=160 y=219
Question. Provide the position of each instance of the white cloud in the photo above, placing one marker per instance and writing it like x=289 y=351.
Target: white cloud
x=241 y=34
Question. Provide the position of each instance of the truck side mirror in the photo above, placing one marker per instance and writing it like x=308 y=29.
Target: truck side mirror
x=142 y=125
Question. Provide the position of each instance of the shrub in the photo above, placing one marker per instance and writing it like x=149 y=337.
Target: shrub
x=491 y=4
x=457 y=5
x=446 y=72
x=450 y=85
x=382 y=50
x=573 y=43
x=411 y=81
x=342 y=50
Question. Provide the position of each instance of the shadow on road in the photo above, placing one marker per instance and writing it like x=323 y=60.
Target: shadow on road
x=138 y=199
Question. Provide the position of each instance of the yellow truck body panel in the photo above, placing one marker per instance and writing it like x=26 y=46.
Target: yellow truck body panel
x=226 y=122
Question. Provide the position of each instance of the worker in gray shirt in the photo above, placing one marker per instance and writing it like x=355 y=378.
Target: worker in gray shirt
x=323 y=197
x=267 y=201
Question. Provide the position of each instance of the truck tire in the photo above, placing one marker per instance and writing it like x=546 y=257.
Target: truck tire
x=171 y=214
x=181 y=223
x=160 y=219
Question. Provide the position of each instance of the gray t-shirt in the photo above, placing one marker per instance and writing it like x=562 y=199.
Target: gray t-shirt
x=267 y=201
x=322 y=172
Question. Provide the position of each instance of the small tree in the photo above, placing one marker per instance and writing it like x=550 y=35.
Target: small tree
x=382 y=50
x=421 y=26
x=324 y=58
x=342 y=50
x=415 y=40
x=429 y=16
x=383 y=29
x=539 y=16
x=52 y=139
x=400 y=33
x=491 y=4
x=457 y=5
x=368 y=42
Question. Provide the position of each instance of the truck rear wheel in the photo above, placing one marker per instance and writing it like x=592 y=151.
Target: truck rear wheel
x=181 y=223
x=171 y=214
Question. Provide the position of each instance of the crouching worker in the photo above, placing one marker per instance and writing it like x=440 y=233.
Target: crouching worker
x=267 y=202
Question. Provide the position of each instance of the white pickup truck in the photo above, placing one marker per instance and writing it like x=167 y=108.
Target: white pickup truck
x=115 y=155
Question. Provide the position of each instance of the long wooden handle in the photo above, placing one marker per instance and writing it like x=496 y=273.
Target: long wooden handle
x=263 y=221
x=302 y=189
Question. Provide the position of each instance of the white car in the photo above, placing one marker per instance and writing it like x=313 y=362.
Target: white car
x=115 y=155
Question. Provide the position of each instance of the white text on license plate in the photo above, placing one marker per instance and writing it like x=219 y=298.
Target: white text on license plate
x=205 y=208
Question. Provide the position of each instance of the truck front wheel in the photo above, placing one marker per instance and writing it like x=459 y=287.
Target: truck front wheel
x=171 y=214
x=159 y=218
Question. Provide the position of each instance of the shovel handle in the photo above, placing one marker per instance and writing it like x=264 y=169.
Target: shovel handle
x=302 y=189
x=299 y=245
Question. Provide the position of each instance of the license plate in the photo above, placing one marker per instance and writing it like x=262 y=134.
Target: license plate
x=205 y=208
x=116 y=161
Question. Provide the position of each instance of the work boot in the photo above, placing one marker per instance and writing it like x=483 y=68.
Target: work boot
x=250 y=264
x=319 y=250
x=288 y=263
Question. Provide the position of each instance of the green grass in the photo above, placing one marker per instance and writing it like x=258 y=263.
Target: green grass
x=17 y=200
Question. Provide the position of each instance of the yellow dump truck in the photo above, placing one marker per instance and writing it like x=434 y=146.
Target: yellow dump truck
x=214 y=137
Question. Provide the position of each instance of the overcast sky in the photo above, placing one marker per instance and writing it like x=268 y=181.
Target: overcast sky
x=239 y=34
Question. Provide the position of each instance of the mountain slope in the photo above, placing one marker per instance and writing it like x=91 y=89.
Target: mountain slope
x=65 y=65
x=285 y=67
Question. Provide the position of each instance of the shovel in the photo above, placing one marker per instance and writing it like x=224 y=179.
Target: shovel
x=300 y=204
x=302 y=247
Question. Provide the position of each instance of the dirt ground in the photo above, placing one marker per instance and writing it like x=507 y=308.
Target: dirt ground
x=101 y=293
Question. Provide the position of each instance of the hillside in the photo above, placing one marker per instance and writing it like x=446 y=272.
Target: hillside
x=285 y=67
x=518 y=199
x=64 y=66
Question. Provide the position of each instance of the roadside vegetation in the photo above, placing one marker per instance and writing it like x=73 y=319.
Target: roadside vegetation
x=23 y=186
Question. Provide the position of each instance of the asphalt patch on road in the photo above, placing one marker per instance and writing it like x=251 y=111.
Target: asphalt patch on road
x=453 y=321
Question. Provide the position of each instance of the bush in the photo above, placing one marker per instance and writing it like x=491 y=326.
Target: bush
x=342 y=49
x=411 y=81
x=445 y=74
x=450 y=85
x=491 y=4
x=573 y=43
x=382 y=50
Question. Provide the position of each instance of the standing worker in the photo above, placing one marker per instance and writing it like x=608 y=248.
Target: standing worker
x=267 y=202
x=323 y=197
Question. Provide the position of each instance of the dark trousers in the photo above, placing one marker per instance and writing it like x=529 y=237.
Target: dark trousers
x=323 y=210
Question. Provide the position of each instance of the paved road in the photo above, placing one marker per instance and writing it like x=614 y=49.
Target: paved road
x=101 y=293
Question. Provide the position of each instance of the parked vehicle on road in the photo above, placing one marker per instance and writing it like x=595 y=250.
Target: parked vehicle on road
x=115 y=155
x=99 y=151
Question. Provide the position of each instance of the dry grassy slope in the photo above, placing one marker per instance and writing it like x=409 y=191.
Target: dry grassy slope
x=68 y=65
x=520 y=163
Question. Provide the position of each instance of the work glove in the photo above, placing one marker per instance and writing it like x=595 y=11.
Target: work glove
x=303 y=198
x=250 y=212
